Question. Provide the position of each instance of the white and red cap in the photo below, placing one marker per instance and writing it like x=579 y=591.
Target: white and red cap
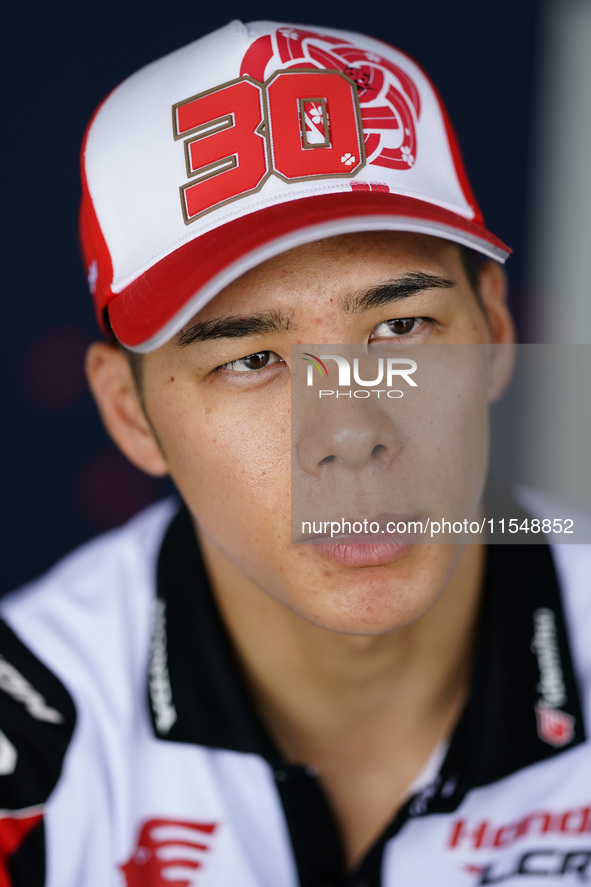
x=248 y=142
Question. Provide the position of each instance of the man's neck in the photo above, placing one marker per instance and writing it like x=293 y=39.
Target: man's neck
x=331 y=700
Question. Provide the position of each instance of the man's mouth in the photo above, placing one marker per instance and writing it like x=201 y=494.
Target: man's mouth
x=361 y=554
x=366 y=542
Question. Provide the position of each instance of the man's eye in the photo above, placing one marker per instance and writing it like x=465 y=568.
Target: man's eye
x=399 y=326
x=257 y=361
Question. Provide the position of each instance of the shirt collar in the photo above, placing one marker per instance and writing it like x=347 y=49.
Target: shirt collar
x=523 y=705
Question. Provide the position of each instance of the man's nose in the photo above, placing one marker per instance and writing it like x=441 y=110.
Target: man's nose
x=352 y=435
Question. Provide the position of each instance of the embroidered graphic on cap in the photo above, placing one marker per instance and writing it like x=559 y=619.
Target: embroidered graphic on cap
x=169 y=853
x=297 y=125
x=388 y=97
x=314 y=123
x=318 y=115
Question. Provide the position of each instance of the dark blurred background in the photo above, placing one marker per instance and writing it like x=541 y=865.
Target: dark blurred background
x=62 y=480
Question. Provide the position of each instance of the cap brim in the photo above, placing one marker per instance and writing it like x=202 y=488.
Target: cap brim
x=156 y=306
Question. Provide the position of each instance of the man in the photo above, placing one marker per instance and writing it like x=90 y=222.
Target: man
x=198 y=699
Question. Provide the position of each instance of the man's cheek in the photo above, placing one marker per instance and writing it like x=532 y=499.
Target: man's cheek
x=254 y=440
x=232 y=466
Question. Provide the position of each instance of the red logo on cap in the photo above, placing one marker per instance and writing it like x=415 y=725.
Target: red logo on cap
x=297 y=125
x=325 y=108
x=168 y=853
x=388 y=96
x=555 y=727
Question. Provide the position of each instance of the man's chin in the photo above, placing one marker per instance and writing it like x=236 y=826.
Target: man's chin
x=373 y=590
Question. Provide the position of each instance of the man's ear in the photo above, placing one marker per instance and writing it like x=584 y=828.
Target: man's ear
x=493 y=294
x=119 y=403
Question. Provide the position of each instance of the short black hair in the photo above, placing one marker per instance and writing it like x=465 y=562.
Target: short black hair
x=134 y=358
x=472 y=262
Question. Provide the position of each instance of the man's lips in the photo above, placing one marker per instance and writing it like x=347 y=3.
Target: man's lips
x=360 y=554
x=367 y=548
x=360 y=539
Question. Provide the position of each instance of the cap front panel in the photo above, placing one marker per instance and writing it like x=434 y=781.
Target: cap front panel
x=254 y=116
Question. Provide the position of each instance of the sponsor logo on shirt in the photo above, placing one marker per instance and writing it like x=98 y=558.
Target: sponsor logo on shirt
x=8 y=755
x=574 y=865
x=489 y=835
x=555 y=726
x=169 y=853
x=13 y=683
x=159 y=680
x=540 y=861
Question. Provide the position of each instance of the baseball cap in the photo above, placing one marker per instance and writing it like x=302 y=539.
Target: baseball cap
x=250 y=141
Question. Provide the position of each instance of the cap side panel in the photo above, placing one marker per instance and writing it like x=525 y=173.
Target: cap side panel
x=98 y=265
x=458 y=160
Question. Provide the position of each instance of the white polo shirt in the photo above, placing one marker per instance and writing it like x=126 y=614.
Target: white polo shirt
x=131 y=754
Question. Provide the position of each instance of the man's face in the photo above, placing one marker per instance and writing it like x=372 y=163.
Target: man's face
x=218 y=398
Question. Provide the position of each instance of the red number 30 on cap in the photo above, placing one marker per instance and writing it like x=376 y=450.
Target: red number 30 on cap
x=298 y=125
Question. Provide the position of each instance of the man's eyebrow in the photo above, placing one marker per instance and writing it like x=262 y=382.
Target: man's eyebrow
x=394 y=290
x=239 y=326
x=235 y=327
